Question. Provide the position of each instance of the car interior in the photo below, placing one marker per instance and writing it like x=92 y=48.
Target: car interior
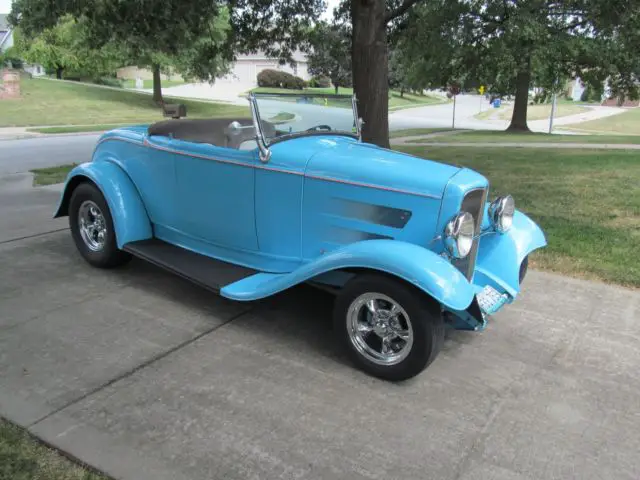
x=237 y=133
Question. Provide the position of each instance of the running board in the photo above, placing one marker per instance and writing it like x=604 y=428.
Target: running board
x=205 y=271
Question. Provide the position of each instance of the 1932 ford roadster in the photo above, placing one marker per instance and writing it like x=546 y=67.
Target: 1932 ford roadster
x=250 y=207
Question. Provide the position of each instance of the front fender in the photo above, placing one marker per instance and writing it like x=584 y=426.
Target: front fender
x=130 y=218
x=426 y=270
x=500 y=255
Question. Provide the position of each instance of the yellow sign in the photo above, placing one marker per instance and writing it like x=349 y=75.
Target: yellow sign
x=481 y=89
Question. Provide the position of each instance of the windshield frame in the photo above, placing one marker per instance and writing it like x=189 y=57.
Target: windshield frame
x=255 y=111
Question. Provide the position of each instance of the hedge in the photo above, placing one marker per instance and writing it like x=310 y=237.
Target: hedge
x=280 y=79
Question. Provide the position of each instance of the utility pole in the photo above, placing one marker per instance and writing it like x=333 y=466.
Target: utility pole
x=553 y=112
x=453 y=124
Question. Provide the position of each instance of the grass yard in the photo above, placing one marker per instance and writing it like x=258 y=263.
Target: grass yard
x=498 y=136
x=49 y=102
x=149 y=83
x=586 y=201
x=51 y=175
x=412 y=132
x=627 y=123
x=534 y=112
x=408 y=100
x=23 y=458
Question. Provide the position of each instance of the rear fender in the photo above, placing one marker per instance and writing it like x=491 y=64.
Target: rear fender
x=130 y=218
x=421 y=267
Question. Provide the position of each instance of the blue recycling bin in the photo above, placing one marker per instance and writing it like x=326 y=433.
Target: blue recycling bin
x=496 y=103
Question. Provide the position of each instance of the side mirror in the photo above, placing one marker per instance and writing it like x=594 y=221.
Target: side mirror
x=234 y=128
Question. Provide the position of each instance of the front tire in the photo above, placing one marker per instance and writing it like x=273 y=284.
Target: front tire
x=92 y=229
x=391 y=329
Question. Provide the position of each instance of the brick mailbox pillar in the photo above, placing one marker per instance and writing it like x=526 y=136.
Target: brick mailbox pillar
x=11 y=84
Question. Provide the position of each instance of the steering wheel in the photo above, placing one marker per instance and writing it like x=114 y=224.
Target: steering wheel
x=317 y=128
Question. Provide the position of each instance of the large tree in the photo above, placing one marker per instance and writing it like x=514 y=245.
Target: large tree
x=330 y=53
x=371 y=21
x=199 y=37
x=507 y=45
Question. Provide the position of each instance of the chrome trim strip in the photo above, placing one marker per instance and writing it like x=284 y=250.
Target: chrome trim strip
x=467 y=265
x=263 y=146
x=370 y=185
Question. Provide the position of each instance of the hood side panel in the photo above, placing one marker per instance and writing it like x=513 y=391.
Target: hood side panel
x=361 y=192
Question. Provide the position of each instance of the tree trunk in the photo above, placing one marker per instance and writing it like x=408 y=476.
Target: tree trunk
x=157 y=85
x=402 y=91
x=59 y=71
x=519 y=117
x=336 y=87
x=371 y=69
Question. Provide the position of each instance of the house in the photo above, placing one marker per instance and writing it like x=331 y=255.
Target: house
x=247 y=67
x=6 y=37
x=575 y=89
x=6 y=42
x=243 y=72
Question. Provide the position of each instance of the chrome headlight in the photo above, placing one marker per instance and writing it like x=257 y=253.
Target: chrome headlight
x=458 y=235
x=501 y=213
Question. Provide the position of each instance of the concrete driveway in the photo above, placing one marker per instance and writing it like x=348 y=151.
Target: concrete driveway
x=146 y=376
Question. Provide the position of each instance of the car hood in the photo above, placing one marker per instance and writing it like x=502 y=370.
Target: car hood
x=346 y=160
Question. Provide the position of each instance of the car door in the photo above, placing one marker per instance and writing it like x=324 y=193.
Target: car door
x=152 y=169
x=215 y=194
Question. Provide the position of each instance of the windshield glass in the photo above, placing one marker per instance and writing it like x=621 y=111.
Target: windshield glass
x=291 y=114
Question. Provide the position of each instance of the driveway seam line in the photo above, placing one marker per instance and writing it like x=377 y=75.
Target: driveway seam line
x=27 y=237
x=137 y=368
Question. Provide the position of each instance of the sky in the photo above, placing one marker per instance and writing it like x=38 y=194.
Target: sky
x=328 y=14
x=5 y=6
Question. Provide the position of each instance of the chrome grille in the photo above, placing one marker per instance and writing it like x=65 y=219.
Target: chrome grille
x=473 y=202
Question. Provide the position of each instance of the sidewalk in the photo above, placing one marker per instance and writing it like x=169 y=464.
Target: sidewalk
x=411 y=142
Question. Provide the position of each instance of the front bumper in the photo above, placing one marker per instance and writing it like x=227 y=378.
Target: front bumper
x=486 y=302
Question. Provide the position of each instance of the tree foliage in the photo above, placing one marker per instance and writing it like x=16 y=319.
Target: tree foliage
x=330 y=53
x=63 y=47
x=511 y=45
x=197 y=38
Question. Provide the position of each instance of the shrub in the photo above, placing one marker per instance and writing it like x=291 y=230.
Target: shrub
x=108 y=81
x=279 y=79
x=269 y=78
x=320 y=82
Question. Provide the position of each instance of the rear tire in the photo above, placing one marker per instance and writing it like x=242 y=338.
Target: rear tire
x=391 y=347
x=92 y=228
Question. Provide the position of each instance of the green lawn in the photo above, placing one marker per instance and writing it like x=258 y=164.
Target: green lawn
x=51 y=175
x=149 y=83
x=534 y=112
x=586 y=201
x=412 y=132
x=47 y=102
x=627 y=123
x=23 y=458
x=408 y=100
x=498 y=136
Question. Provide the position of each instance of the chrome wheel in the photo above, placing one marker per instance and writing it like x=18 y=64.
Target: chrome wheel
x=92 y=226
x=379 y=328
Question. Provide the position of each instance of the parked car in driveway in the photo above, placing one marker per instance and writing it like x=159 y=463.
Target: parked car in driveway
x=249 y=207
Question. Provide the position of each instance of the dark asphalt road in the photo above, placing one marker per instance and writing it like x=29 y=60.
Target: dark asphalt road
x=24 y=154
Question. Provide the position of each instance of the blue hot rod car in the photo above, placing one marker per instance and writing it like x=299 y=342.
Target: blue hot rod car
x=250 y=207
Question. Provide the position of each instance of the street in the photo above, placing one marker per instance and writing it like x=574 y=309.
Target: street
x=49 y=151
